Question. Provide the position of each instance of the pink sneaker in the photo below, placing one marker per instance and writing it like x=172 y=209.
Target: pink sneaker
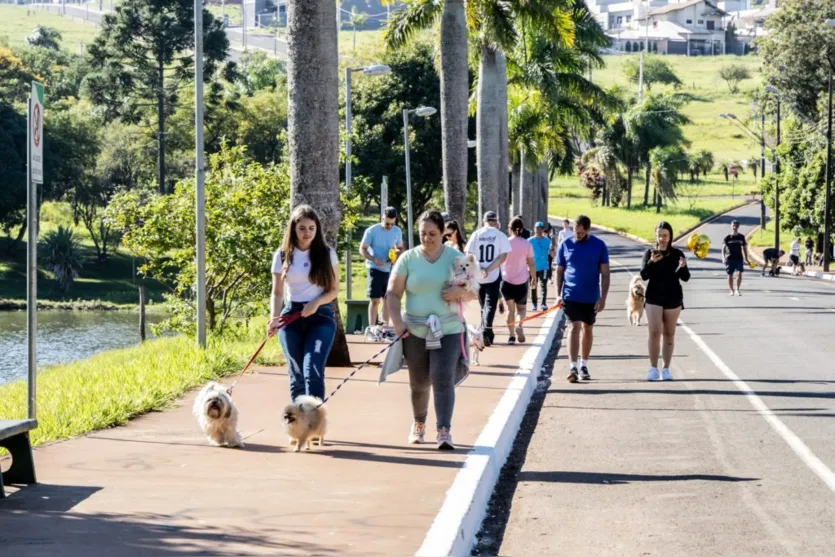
x=444 y=440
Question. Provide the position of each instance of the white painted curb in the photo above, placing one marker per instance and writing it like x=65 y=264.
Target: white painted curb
x=455 y=527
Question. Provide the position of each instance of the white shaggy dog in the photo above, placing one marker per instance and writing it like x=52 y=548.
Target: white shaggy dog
x=476 y=342
x=635 y=301
x=217 y=416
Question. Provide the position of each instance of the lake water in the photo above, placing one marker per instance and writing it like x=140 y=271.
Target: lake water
x=65 y=336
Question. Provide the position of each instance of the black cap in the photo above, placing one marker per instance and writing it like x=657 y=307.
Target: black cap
x=491 y=215
x=734 y=222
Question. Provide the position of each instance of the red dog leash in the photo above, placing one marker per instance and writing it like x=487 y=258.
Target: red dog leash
x=535 y=315
x=284 y=320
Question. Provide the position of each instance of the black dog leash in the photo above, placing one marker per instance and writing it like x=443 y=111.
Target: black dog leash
x=359 y=367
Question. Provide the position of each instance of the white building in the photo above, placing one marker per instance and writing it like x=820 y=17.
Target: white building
x=692 y=28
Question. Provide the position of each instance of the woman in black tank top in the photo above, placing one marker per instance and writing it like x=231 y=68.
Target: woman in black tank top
x=664 y=267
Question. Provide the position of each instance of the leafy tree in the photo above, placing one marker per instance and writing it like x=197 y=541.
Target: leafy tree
x=61 y=71
x=704 y=161
x=143 y=57
x=12 y=170
x=46 y=37
x=656 y=70
x=667 y=163
x=247 y=206
x=798 y=51
x=733 y=74
x=15 y=78
x=378 y=129
x=259 y=71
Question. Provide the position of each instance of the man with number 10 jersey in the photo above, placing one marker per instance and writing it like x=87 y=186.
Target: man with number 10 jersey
x=490 y=246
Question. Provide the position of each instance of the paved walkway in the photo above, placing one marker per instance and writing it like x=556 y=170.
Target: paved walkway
x=154 y=487
x=735 y=457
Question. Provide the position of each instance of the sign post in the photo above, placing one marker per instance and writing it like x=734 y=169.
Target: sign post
x=384 y=195
x=34 y=176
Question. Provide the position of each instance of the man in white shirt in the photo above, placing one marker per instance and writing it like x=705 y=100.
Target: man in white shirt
x=490 y=246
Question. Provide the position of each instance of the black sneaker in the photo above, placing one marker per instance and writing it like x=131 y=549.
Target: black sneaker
x=572 y=376
x=584 y=373
x=511 y=340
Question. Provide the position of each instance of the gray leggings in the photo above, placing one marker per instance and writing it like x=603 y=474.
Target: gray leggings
x=435 y=368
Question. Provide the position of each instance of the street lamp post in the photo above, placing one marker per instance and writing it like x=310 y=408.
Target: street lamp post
x=827 y=213
x=776 y=93
x=422 y=111
x=376 y=69
x=200 y=175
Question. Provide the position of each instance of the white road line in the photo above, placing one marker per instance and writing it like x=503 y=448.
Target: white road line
x=798 y=446
x=793 y=298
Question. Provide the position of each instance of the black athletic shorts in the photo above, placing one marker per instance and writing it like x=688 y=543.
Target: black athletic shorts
x=378 y=282
x=794 y=259
x=576 y=311
x=515 y=292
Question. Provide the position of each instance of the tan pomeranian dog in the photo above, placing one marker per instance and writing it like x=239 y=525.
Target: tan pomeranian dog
x=305 y=420
x=635 y=301
x=217 y=416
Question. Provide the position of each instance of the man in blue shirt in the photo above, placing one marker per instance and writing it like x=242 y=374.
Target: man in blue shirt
x=582 y=272
x=376 y=244
x=541 y=251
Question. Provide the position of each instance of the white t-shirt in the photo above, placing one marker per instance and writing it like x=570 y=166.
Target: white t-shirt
x=564 y=235
x=297 y=282
x=488 y=244
x=795 y=248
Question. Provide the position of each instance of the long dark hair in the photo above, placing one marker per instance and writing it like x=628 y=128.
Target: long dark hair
x=664 y=225
x=321 y=270
x=462 y=240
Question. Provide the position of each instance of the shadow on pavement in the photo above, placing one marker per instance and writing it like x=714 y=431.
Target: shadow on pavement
x=37 y=521
x=619 y=479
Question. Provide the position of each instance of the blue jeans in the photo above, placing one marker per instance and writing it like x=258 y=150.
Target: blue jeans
x=306 y=343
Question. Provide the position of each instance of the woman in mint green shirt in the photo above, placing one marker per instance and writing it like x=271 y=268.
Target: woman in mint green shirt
x=432 y=342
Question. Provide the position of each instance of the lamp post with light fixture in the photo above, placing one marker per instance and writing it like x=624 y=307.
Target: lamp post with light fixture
x=423 y=112
x=375 y=69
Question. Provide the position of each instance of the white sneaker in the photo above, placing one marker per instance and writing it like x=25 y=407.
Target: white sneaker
x=731 y=293
x=666 y=375
x=652 y=374
x=444 y=440
x=738 y=293
x=416 y=435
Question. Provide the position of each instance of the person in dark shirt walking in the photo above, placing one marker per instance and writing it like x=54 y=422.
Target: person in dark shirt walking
x=664 y=267
x=734 y=246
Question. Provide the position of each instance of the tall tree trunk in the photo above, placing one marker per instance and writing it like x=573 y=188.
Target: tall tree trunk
x=504 y=154
x=161 y=128
x=454 y=99
x=543 y=193
x=646 y=185
x=313 y=117
x=488 y=133
x=527 y=192
x=629 y=172
x=516 y=182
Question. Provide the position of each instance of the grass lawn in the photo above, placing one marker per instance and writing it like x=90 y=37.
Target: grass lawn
x=711 y=186
x=17 y=25
x=709 y=96
x=110 y=388
x=765 y=238
x=639 y=220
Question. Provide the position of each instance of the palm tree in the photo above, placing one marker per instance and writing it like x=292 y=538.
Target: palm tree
x=313 y=119
x=452 y=14
x=357 y=19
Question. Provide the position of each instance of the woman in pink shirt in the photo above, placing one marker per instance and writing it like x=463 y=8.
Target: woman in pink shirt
x=517 y=272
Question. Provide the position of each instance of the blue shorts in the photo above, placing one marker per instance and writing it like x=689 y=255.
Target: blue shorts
x=734 y=266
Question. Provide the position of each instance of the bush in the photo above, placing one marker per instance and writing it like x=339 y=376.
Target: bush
x=733 y=74
x=62 y=256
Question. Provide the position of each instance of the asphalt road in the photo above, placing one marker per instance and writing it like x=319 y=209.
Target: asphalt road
x=735 y=457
